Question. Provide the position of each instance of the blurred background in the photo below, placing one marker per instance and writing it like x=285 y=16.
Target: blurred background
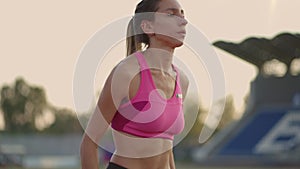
x=257 y=43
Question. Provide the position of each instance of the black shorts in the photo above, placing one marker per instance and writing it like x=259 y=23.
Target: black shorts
x=114 y=166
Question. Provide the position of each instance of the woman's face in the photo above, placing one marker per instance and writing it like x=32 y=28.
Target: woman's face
x=169 y=23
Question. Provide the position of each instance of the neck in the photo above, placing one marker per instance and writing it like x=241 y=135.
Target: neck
x=159 y=58
x=161 y=45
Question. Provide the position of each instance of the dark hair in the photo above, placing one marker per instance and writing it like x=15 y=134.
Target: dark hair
x=135 y=36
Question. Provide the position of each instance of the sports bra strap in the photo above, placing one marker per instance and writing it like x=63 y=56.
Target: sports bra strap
x=141 y=60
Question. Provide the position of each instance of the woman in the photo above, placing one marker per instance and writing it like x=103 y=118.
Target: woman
x=142 y=97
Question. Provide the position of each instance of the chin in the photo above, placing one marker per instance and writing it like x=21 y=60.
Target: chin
x=176 y=43
x=171 y=41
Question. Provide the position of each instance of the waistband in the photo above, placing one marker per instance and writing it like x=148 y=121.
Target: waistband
x=112 y=165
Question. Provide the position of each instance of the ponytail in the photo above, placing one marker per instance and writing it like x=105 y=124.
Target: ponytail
x=131 y=39
x=136 y=39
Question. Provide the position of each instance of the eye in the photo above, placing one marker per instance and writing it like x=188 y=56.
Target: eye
x=170 y=14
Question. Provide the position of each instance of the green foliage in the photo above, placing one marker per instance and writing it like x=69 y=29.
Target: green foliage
x=228 y=113
x=65 y=122
x=226 y=117
x=20 y=104
x=23 y=105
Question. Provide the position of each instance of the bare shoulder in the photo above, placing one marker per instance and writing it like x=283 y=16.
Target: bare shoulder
x=184 y=81
x=127 y=68
x=121 y=75
x=117 y=84
x=122 y=78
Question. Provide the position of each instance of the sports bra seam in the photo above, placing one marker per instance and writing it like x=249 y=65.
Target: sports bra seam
x=144 y=68
x=175 y=92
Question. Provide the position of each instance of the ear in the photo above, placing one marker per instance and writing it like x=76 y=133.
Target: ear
x=147 y=27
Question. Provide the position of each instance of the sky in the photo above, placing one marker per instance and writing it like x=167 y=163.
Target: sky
x=41 y=40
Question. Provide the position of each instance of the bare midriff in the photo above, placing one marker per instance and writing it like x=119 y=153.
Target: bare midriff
x=147 y=153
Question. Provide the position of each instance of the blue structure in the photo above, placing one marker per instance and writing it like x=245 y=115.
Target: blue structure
x=269 y=131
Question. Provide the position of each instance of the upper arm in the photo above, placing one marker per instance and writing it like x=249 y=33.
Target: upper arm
x=114 y=91
x=109 y=100
x=171 y=160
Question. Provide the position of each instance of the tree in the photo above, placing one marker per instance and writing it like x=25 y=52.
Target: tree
x=226 y=117
x=65 y=122
x=21 y=103
x=228 y=113
x=25 y=107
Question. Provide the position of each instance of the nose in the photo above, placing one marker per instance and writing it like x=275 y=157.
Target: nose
x=183 y=21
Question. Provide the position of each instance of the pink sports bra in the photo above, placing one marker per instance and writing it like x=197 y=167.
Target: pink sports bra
x=148 y=114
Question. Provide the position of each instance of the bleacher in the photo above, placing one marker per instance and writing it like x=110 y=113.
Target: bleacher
x=269 y=131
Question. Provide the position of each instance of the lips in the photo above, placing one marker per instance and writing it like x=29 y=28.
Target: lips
x=182 y=32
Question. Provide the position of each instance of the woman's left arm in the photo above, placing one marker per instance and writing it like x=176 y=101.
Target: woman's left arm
x=171 y=160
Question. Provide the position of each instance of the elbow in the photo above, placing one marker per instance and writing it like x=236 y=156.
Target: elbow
x=88 y=154
x=83 y=149
x=86 y=146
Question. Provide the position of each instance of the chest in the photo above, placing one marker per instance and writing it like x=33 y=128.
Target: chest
x=165 y=83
